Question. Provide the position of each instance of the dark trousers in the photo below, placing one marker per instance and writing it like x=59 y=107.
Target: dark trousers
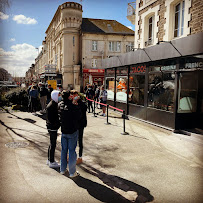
x=80 y=139
x=52 y=146
x=90 y=105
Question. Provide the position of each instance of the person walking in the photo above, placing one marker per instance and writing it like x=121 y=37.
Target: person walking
x=33 y=97
x=103 y=99
x=43 y=97
x=70 y=114
x=82 y=122
x=49 y=90
x=97 y=93
x=53 y=125
x=90 y=95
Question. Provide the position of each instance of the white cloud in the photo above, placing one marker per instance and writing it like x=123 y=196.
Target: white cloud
x=3 y=16
x=19 y=59
x=12 y=40
x=130 y=27
x=21 y=19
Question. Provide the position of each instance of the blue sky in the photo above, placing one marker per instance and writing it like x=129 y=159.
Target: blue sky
x=23 y=27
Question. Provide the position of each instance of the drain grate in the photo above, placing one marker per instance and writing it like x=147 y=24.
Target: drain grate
x=17 y=144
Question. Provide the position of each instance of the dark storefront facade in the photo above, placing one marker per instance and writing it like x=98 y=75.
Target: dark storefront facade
x=167 y=92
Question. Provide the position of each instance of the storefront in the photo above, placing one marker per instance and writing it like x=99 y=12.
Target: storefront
x=166 y=92
x=93 y=76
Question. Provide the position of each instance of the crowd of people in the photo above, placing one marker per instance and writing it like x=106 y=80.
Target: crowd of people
x=66 y=110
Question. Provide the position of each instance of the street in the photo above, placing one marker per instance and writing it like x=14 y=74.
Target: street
x=151 y=164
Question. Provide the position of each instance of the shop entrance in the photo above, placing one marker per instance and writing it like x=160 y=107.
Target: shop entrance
x=190 y=101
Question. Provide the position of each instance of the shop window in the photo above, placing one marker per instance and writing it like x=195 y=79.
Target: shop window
x=94 y=45
x=179 y=19
x=121 y=88
x=114 y=46
x=187 y=100
x=136 y=89
x=110 y=87
x=161 y=90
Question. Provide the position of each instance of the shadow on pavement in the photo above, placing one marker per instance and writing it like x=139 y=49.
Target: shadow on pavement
x=120 y=183
x=25 y=119
x=99 y=192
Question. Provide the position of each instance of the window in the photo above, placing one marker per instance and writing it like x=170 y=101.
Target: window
x=121 y=88
x=110 y=87
x=151 y=25
x=94 y=63
x=115 y=46
x=187 y=101
x=161 y=88
x=149 y=36
x=73 y=41
x=136 y=85
x=94 y=45
x=73 y=57
x=130 y=46
x=179 y=19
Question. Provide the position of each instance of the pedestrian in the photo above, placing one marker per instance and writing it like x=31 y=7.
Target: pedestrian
x=53 y=125
x=82 y=122
x=97 y=93
x=43 y=97
x=33 y=97
x=90 y=95
x=29 y=97
x=49 y=90
x=86 y=87
x=103 y=99
x=70 y=114
x=59 y=87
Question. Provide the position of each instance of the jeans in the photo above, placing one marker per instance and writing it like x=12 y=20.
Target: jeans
x=80 y=141
x=52 y=146
x=69 y=142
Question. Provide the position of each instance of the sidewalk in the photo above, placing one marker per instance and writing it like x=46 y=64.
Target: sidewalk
x=149 y=164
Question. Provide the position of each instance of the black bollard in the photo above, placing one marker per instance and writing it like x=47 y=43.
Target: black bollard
x=107 y=115
x=124 y=117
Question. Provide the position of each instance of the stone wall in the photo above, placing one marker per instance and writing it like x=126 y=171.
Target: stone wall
x=196 y=23
x=162 y=20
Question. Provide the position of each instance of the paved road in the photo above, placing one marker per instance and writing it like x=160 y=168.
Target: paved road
x=148 y=165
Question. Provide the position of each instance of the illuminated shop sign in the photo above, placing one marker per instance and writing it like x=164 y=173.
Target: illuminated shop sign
x=138 y=69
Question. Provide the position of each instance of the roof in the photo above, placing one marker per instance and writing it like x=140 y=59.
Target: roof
x=102 y=26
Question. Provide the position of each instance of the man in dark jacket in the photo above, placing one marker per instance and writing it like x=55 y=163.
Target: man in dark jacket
x=70 y=114
x=82 y=122
x=53 y=125
x=49 y=91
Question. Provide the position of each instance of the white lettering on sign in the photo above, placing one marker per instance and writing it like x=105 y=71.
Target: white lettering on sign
x=194 y=65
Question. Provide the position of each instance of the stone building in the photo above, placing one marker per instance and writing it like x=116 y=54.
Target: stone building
x=74 y=43
x=161 y=80
x=165 y=20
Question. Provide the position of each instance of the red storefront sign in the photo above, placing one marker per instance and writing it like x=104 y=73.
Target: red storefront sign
x=85 y=70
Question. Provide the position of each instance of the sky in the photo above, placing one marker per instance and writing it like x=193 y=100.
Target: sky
x=23 y=26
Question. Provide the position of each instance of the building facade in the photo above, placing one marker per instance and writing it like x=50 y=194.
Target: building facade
x=161 y=80
x=165 y=20
x=76 y=46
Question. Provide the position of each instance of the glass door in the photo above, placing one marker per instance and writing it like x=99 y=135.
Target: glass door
x=188 y=91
